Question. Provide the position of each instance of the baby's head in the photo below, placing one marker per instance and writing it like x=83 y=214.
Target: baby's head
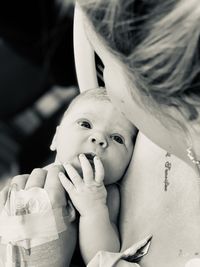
x=93 y=126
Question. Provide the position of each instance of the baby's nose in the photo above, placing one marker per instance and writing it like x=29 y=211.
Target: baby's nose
x=98 y=139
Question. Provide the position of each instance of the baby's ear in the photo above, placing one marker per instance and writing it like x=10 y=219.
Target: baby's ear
x=53 y=143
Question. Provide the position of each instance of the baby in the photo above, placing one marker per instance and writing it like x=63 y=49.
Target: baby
x=94 y=143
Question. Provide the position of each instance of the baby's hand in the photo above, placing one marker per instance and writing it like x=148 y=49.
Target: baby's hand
x=88 y=194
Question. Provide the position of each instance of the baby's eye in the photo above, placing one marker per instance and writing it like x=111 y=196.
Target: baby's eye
x=85 y=124
x=118 y=138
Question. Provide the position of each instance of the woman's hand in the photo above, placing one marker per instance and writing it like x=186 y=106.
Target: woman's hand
x=61 y=248
x=42 y=178
x=47 y=179
x=88 y=194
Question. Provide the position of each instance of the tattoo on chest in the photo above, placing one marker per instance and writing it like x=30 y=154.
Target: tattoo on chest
x=181 y=253
x=167 y=169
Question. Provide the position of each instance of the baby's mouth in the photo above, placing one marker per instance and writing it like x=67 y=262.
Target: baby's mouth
x=90 y=156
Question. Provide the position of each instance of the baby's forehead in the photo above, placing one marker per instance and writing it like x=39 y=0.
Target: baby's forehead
x=87 y=106
x=86 y=101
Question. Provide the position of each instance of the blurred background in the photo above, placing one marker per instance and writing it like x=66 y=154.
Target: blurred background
x=37 y=80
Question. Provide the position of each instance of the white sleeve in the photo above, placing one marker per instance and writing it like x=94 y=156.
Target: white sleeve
x=128 y=258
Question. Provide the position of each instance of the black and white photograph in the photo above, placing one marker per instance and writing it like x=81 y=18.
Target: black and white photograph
x=100 y=133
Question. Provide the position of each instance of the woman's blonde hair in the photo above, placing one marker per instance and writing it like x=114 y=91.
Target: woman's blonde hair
x=158 y=41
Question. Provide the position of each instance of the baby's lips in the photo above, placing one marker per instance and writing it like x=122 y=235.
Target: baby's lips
x=90 y=157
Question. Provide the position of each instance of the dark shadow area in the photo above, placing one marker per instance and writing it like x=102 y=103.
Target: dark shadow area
x=36 y=55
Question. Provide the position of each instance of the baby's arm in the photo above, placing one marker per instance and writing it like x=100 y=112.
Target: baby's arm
x=89 y=196
x=98 y=230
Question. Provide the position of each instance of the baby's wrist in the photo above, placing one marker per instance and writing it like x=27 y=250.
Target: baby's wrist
x=100 y=210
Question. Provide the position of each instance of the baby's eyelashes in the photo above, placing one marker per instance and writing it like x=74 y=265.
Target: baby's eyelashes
x=118 y=138
x=85 y=123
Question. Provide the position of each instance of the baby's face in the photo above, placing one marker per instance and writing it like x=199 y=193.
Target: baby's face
x=97 y=128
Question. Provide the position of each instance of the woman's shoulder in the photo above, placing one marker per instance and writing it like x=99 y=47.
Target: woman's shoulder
x=144 y=144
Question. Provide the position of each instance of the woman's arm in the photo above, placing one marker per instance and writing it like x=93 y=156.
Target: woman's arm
x=49 y=251
x=84 y=54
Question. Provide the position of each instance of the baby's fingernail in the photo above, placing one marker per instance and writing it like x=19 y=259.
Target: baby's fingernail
x=66 y=164
x=81 y=155
x=96 y=158
x=61 y=175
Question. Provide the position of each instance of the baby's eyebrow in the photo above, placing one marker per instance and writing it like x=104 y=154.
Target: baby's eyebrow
x=83 y=113
x=128 y=134
x=90 y=114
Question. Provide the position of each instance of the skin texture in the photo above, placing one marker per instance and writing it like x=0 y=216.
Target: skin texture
x=94 y=126
x=172 y=217
x=88 y=124
x=98 y=207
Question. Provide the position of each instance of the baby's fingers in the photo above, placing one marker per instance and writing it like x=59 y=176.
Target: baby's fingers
x=99 y=170
x=69 y=187
x=73 y=175
x=20 y=180
x=36 y=178
x=87 y=170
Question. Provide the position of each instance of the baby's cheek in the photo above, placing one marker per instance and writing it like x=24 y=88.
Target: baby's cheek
x=122 y=162
x=114 y=172
x=62 y=154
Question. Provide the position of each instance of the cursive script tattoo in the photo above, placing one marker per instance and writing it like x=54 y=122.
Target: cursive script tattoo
x=181 y=253
x=168 y=166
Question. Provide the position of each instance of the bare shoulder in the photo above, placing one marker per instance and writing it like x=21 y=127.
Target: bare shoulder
x=113 y=202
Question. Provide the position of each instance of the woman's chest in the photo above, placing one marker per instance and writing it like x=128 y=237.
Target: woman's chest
x=160 y=196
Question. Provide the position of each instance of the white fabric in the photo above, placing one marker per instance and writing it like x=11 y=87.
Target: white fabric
x=109 y=259
x=37 y=223
x=28 y=220
x=193 y=263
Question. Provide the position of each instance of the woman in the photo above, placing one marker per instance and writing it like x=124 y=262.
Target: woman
x=149 y=50
x=150 y=53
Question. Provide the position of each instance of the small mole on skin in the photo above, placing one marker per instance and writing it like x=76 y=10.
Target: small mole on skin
x=196 y=253
x=180 y=252
x=122 y=101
